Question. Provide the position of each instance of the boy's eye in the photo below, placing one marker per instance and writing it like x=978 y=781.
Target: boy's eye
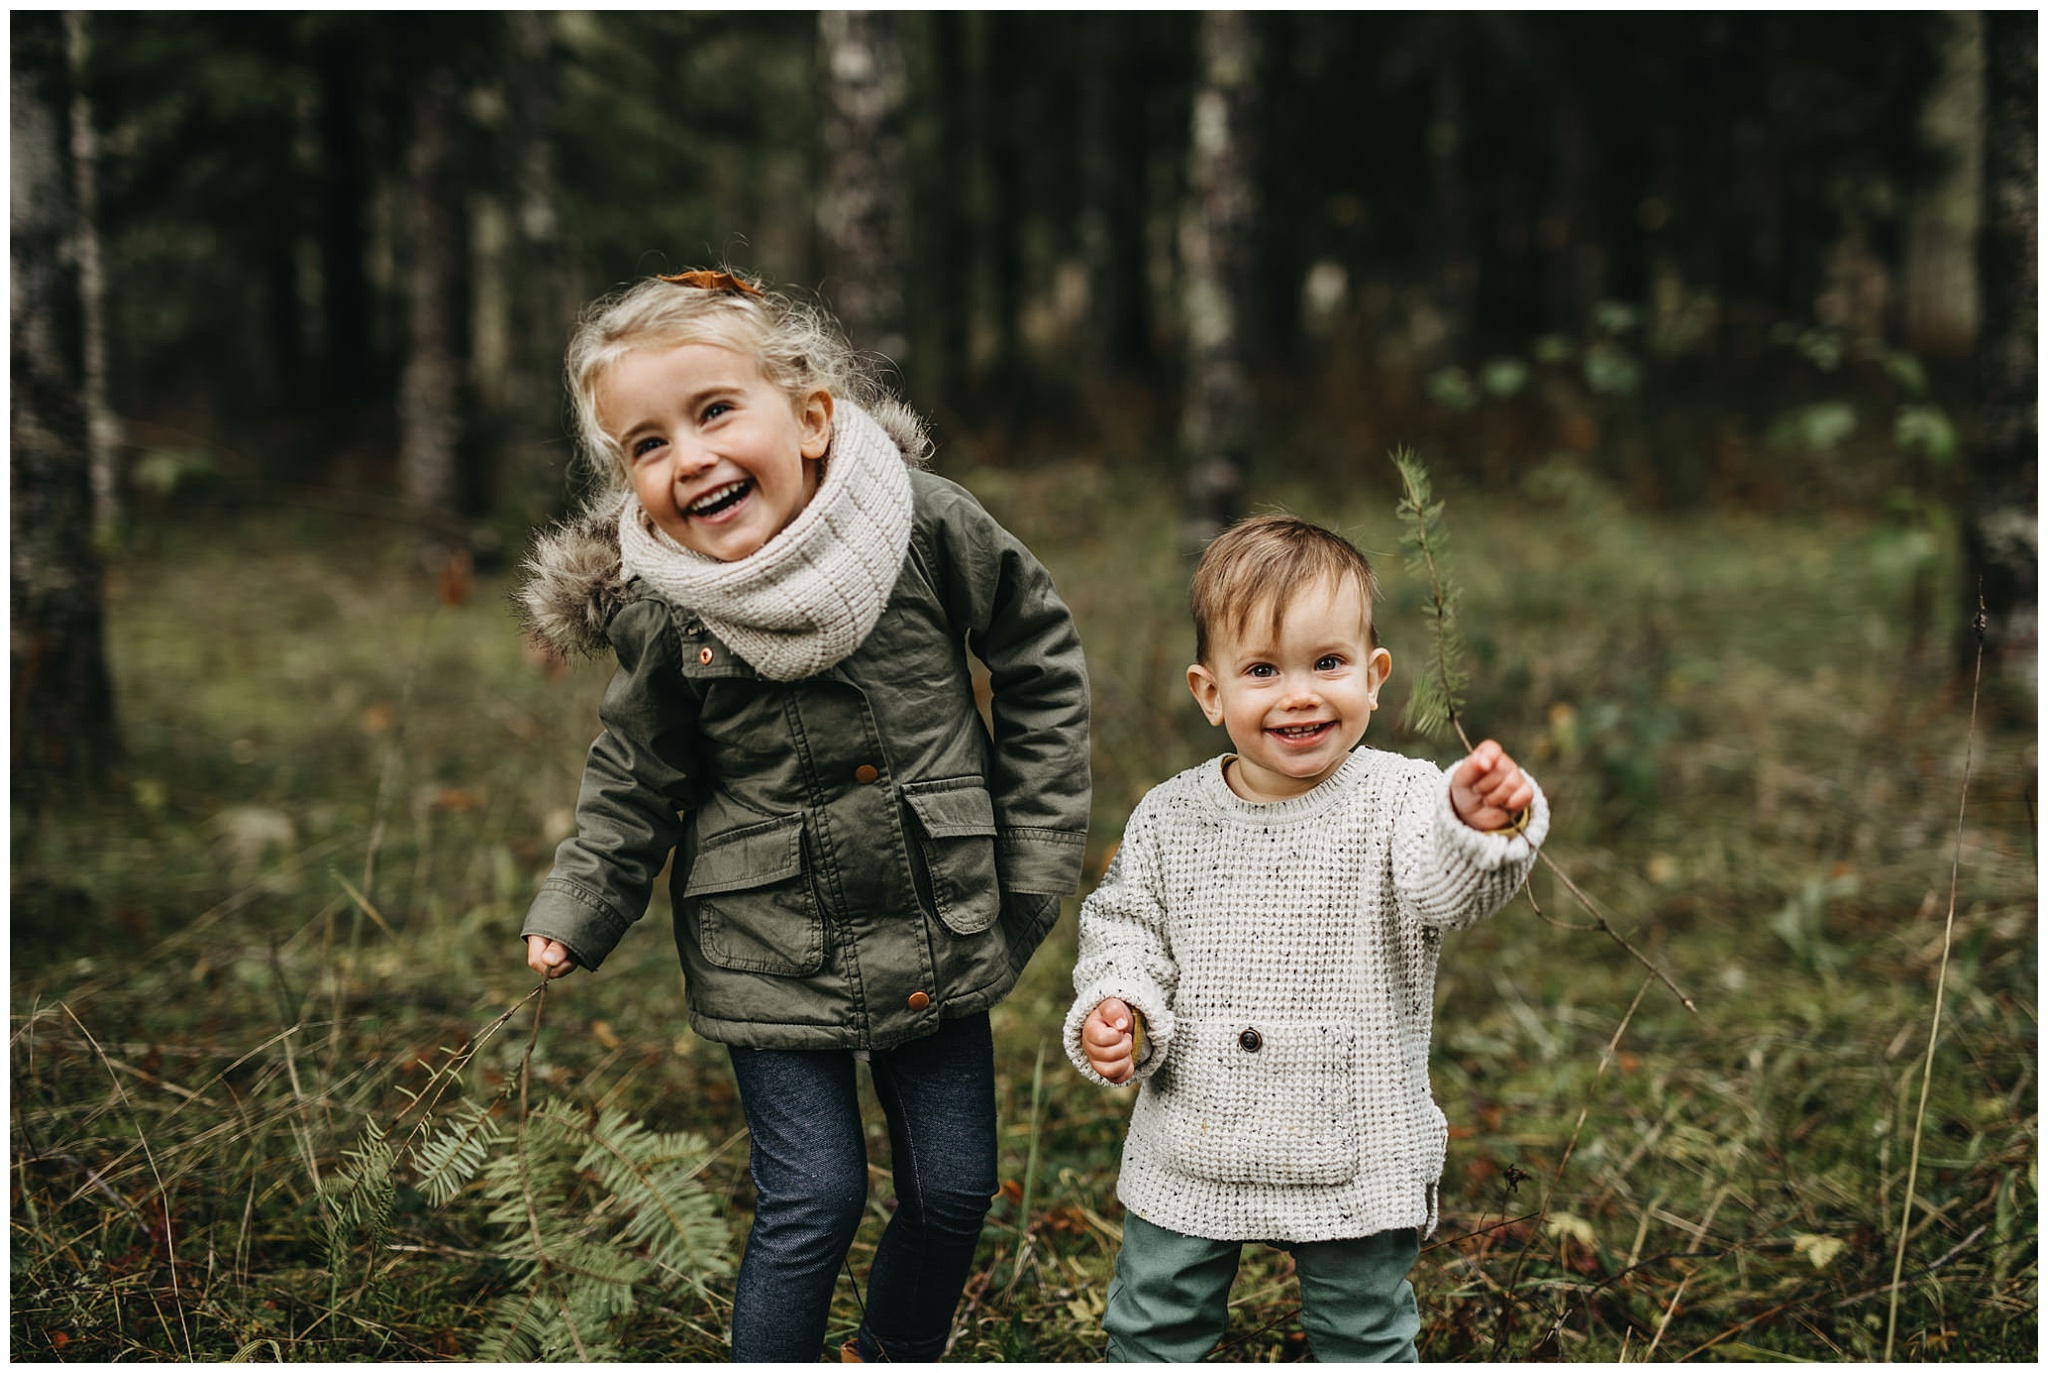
x=1329 y=662
x=1260 y=670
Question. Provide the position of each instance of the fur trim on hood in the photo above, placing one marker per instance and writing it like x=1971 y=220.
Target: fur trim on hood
x=573 y=584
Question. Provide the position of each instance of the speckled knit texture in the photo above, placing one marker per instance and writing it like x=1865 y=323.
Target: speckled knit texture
x=1313 y=923
x=811 y=594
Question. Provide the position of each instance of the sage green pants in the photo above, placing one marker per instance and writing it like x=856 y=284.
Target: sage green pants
x=1169 y=1300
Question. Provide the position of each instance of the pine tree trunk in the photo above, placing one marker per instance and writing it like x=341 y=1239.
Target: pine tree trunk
x=431 y=403
x=102 y=426
x=2001 y=534
x=63 y=705
x=863 y=209
x=1940 y=279
x=1215 y=250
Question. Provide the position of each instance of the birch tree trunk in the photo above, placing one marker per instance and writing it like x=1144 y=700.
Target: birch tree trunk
x=1940 y=284
x=102 y=427
x=1215 y=251
x=431 y=402
x=63 y=703
x=2001 y=530
x=864 y=210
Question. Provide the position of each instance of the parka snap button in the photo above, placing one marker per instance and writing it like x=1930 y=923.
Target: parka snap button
x=918 y=1001
x=864 y=774
x=704 y=655
x=1249 y=1041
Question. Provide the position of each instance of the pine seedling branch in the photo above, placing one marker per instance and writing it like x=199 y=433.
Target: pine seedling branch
x=1438 y=695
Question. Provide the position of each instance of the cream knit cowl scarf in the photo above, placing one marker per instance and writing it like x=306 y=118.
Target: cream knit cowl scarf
x=810 y=595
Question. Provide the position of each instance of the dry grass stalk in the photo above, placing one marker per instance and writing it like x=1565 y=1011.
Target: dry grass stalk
x=1948 y=928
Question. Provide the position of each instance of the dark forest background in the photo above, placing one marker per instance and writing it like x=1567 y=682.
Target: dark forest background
x=1716 y=330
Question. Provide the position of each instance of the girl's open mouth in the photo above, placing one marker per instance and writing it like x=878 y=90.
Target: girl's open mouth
x=1302 y=734
x=718 y=502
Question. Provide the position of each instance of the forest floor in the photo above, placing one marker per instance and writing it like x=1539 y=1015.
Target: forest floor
x=342 y=790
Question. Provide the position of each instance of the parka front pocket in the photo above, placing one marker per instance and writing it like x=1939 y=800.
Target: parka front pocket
x=1261 y=1101
x=957 y=841
x=755 y=910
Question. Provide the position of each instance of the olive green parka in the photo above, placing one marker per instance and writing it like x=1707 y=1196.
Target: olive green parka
x=855 y=857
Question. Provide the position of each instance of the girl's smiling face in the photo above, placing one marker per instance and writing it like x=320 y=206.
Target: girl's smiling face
x=720 y=457
x=1295 y=698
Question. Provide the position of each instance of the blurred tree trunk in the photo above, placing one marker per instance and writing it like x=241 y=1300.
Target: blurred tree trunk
x=102 y=426
x=863 y=207
x=63 y=702
x=1940 y=284
x=1457 y=259
x=2001 y=531
x=432 y=402
x=1215 y=248
x=951 y=226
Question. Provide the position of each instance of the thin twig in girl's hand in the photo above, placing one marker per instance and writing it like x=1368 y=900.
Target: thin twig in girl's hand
x=1955 y=874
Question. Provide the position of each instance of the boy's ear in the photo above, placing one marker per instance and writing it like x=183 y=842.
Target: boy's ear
x=814 y=421
x=1208 y=695
x=1377 y=669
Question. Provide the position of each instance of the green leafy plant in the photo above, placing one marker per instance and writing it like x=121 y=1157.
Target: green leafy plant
x=589 y=1206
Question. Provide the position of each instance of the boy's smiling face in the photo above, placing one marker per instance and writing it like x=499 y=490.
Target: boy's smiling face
x=1296 y=698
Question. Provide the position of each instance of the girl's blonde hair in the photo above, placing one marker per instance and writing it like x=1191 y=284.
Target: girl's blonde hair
x=799 y=347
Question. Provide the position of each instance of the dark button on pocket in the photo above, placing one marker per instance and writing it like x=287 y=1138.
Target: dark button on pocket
x=918 y=1001
x=866 y=773
x=1249 y=1041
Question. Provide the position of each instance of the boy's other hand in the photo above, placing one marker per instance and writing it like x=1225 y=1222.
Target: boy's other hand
x=549 y=957
x=1106 y=1040
x=1488 y=790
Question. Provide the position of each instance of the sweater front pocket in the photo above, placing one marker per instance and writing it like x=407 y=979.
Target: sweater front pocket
x=755 y=911
x=1261 y=1101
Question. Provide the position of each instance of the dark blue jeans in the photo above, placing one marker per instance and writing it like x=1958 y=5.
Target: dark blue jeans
x=810 y=1169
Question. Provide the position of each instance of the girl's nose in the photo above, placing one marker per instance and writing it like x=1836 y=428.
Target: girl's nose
x=687 y=458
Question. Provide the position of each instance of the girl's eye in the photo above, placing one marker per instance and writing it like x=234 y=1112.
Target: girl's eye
x=642 y=447
x=1329 y=662
x=715 y=409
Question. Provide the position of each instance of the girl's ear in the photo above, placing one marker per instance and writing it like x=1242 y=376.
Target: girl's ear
x=814 y=422
x=1208 y=695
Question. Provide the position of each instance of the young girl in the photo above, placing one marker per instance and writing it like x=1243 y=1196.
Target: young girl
x=859 y=870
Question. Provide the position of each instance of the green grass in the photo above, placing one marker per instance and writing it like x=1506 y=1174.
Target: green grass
x=1754 y=756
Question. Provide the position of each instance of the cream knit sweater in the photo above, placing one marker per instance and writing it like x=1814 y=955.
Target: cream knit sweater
x=1284 y=957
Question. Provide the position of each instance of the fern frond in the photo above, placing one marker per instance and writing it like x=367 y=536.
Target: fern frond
x=357 y=1199
x=1438 y=694
x=453 y=1154
x=654 y=1175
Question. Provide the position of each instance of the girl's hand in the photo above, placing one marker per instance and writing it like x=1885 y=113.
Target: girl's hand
x=549 y=957
x=1488 y=791
x=1106 y=1040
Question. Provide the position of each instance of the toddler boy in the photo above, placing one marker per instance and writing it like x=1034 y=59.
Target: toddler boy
x=1271 y=924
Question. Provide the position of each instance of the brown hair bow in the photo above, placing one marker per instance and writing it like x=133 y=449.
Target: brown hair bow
x=707 y=280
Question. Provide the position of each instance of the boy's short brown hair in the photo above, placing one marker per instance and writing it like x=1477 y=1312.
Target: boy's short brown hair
x=1270 y=558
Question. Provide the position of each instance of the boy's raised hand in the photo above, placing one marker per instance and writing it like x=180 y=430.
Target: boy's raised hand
x=1488 y=790
x=549 y=957
x=1106 y=1040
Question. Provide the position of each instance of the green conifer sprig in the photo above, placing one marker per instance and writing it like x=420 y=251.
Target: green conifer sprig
x=1439 y=693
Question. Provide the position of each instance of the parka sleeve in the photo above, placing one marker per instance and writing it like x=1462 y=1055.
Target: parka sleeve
x=1125 y=952
x=1019 y=627
x=1447 y=874
x=638 y=776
